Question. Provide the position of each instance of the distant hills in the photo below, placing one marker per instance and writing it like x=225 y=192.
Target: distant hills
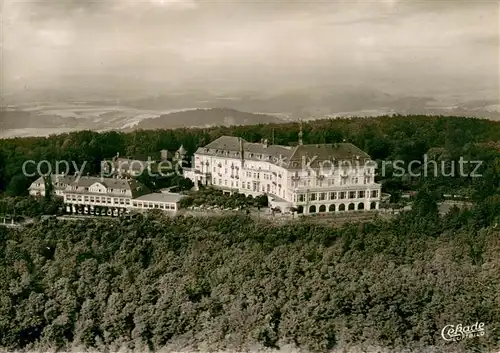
x=20 y=119
x=206 y=117
x=17 y=122
x=321 y=102
x=32 y=115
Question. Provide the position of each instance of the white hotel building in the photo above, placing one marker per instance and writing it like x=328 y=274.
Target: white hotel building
x=311 y=178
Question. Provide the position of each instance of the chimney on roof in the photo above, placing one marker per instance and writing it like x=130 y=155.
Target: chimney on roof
x=242 y=152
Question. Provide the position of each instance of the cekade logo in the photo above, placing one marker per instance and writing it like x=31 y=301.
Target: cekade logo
x=459 y=332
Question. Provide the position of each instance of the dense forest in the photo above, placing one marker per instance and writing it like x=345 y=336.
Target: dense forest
x=232 y=283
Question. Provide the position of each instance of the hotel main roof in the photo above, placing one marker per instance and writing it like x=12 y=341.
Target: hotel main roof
x=289 y=157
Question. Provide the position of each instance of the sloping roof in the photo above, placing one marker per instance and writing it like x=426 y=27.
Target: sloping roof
x=228 y=143
x=232 y=144
x=326 y=152
x=56 y=179
x=116 y=184
x=86 y=181
x=128 y=184
x=111 y=183
x=272 y=150
x=61 y=181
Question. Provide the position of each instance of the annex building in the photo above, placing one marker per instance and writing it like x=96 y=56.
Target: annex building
x=336 y=177
x=105 y=196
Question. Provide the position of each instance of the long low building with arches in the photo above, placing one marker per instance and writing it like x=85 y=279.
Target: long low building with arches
x=331 y=202
x=308 y=179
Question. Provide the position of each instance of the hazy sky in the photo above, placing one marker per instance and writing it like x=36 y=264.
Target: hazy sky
x=398 y=45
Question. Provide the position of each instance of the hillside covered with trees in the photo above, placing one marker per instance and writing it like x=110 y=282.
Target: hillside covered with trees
x=231 y=283
x=206 y=117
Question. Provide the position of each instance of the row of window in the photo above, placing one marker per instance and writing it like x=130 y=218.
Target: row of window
x=219 y=164
x=161 y=206
x=343 y=172
x=98 y=199
x=252 y=186
x=120 y=201
x=265 y=157
x=354 y=179
x=226 y=183
x=340 y=195
x=78 y=188
x=265 y=175
x=252 y=175
x=349 y=169
x=58 y=185
x=331 y=182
